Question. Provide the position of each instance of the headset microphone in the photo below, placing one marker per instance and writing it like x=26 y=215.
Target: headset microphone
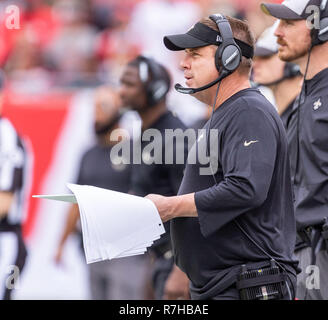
x=178 y=87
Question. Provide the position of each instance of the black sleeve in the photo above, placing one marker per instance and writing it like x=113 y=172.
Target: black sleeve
x=248 y=154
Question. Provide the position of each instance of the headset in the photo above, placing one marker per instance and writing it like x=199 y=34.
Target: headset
x=155 y=79
x=227 y=57
x=320 y=35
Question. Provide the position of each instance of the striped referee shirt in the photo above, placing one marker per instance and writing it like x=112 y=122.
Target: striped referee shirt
x=12 y=170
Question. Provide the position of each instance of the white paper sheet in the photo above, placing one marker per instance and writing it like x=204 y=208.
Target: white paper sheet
x=114 y=224
x=119 y=220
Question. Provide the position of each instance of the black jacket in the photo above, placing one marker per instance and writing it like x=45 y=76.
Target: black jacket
x=308 y=147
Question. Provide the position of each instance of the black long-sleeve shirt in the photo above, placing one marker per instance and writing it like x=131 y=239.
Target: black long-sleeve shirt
x=253 y=186
x=308 y=147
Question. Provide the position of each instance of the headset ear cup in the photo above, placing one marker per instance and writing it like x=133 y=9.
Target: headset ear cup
x=158 y=83
x=228 y=55
x=227 y=59
x=231 y=57
x=159 y=90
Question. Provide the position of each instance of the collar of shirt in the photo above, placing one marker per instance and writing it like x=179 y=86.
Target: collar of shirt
x=321 y=78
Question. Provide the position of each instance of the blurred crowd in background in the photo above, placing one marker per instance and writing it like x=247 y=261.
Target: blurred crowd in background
x=71 y=46
x=82 y=43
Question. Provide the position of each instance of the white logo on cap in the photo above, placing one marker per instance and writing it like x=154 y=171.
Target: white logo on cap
x=298 y=6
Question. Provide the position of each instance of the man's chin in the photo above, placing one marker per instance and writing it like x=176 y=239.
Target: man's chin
x=291 y=57
x=286 y=57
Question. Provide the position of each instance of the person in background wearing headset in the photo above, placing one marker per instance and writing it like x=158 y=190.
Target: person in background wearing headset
x=283 y=78
x=144 y=86
x=307 y=134
x=233 y=231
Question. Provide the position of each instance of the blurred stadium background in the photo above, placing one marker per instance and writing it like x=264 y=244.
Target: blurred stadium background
x=60 y=52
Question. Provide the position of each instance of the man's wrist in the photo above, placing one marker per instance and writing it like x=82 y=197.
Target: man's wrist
x=176 y=207
x=183 y=206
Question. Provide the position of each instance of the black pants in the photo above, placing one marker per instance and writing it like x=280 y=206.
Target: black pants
x=13 y=254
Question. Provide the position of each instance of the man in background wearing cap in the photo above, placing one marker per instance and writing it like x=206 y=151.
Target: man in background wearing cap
x=282 y=78
x=13 y=176
x=303 y=40
x=121 y=279
x=242 y=214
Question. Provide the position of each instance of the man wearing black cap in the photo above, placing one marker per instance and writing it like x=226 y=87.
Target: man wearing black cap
x=302 y=39
x=283 y=78
x=234 y=226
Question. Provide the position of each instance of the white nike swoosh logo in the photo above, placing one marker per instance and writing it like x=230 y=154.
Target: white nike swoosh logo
x=247 y=144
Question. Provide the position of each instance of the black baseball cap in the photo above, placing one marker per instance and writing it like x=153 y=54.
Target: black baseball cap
x=290 y=9
x=201 y=35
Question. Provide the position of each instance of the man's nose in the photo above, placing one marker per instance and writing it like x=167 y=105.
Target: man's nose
x=184 y=63
x=279 y=32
